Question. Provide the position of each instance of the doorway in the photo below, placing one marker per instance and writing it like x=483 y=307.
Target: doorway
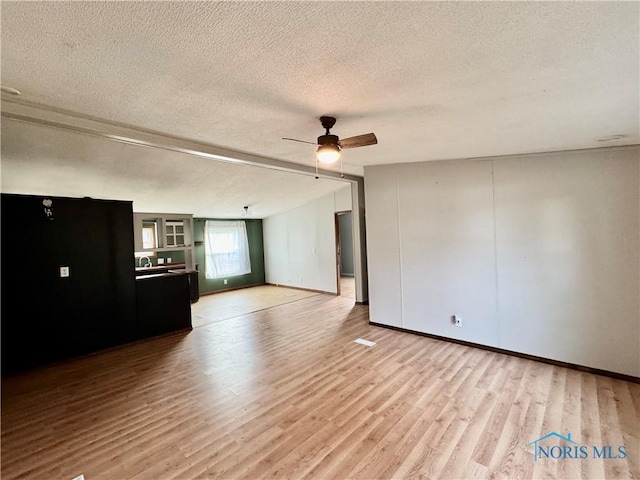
x=345 y=266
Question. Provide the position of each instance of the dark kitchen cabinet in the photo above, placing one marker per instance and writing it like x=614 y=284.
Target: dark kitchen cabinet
x=48 y=317
x=163 y=303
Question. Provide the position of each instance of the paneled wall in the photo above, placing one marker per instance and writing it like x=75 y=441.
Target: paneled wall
x=537 y=254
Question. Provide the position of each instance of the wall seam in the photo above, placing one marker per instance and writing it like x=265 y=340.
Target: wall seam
x=400 y=252
x=495 y=252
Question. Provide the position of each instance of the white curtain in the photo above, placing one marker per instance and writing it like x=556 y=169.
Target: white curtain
x=226 y=249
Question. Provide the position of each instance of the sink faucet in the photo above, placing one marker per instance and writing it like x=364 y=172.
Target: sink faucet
x=147 y=264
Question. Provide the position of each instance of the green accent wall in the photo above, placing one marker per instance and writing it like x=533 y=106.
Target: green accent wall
x=176 y=256
x=256 y=253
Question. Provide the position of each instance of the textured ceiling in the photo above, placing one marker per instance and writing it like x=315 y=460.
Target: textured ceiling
x=433 y=80
x=59 y=163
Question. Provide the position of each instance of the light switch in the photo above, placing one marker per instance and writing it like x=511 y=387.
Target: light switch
x=64 y=272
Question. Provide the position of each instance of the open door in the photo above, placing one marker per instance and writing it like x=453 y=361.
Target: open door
x=345 y=273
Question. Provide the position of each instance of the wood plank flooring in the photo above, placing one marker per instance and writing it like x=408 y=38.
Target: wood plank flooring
x=348 y=287
x=221 y=306
x=285 y=393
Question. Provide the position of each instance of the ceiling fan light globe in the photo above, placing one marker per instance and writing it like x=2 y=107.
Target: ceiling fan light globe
x=328 y=153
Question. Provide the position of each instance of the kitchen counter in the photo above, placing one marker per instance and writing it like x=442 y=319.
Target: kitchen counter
x=192 y=278
x=163 y=303
x=159 y=268
x=182 y=271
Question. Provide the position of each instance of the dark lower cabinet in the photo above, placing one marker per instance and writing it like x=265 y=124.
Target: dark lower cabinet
x=47 y=316
x=193 y=286
x=163 y=303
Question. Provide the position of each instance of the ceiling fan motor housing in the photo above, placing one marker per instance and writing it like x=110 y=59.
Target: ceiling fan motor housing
x=328 y=140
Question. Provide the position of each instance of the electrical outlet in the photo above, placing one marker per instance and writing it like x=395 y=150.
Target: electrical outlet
x=225 y=281
x=160 y=261
x=169 y=260
x=64 y=272
x=456 y=320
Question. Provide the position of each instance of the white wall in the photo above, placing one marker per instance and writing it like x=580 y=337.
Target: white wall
x=300 y=245
x=342 y=199
x=539 y=254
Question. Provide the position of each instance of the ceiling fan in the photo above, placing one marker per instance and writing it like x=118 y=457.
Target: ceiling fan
x=330 y=146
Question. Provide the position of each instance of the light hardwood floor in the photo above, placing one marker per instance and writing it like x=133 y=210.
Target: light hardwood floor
x=221 y=306
x=286 y=393
x=348 y=287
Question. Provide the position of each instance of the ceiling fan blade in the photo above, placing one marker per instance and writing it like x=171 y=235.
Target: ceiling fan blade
x=301 y=141
x=358 y=141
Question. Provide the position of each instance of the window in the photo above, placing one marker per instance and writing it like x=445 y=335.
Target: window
x=226 y=249
x=149 y=234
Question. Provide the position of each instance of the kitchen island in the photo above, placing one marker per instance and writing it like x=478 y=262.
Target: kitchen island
x=163 y=302
x=194 y=291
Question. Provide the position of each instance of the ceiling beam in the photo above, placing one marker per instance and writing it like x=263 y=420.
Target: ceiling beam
x=58 y=118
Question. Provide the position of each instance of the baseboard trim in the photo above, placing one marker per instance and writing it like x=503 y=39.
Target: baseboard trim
x=230 y=289
x=557 y=363
x=300 y=288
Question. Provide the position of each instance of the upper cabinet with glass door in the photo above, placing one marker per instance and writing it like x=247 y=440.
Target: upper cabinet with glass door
x=174 y=233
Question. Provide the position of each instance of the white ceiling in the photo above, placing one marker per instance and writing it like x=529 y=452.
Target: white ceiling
x=44 y=161
x=433 y=80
